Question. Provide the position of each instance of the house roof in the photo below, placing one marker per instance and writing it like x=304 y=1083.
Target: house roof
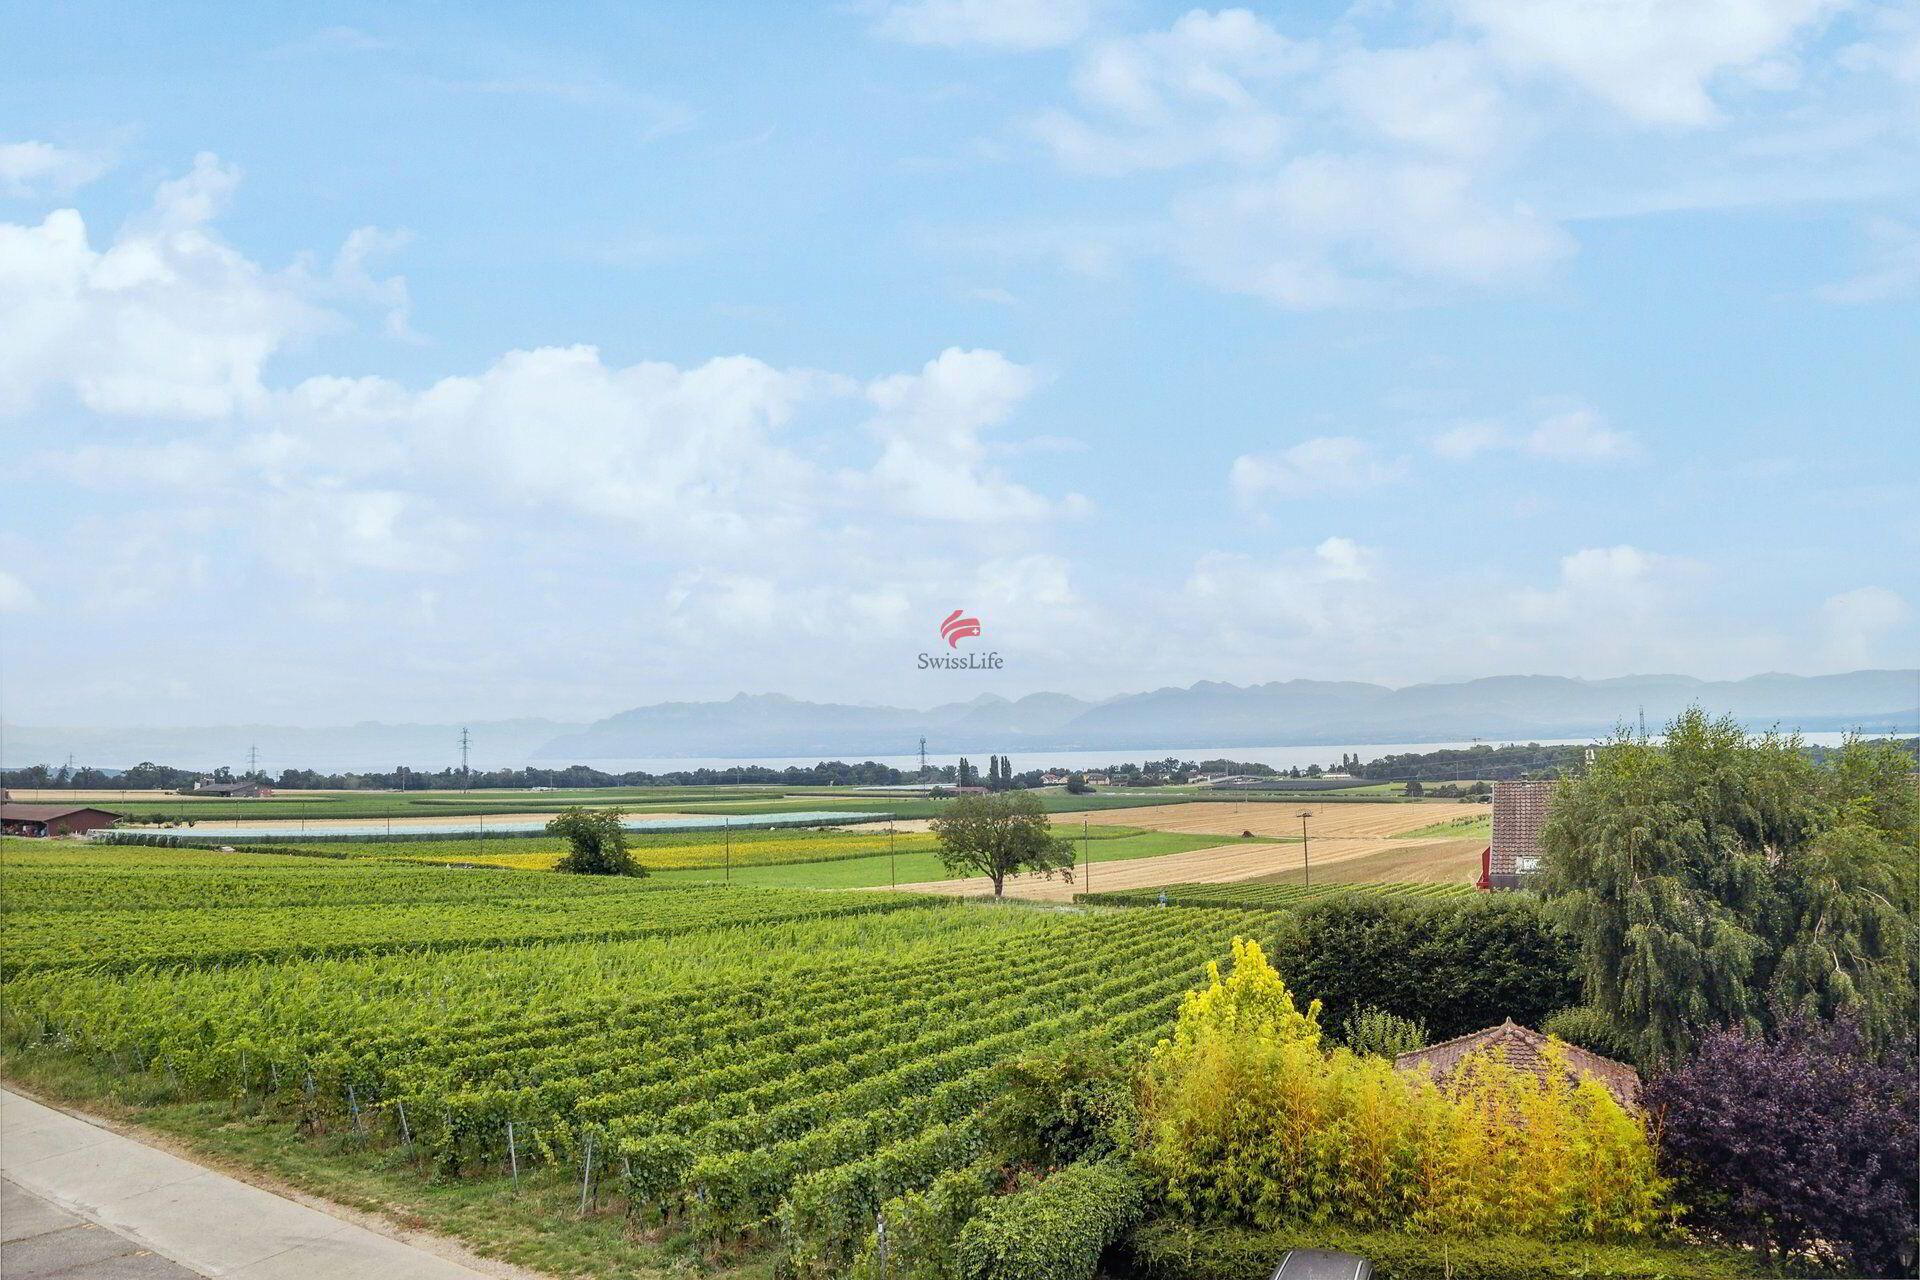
x=1525 y=1048
x=47 y=812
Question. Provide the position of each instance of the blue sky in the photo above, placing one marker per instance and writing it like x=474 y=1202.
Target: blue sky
x=433 y=362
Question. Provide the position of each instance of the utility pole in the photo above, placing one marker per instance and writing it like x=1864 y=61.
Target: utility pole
x=726 y=835
x=1306 y=862
x=893 y=871
x=1086 y=852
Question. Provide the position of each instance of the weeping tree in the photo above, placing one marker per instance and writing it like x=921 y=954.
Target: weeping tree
x=1712 y=879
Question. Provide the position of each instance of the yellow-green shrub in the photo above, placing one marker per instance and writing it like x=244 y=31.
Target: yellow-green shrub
x=1247 y=1117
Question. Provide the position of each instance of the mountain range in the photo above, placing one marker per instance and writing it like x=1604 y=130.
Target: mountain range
x=1211 y=714
x=1201 y=716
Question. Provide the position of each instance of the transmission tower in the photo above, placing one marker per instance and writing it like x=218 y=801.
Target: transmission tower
x=466 y=775
x=253 y=760
x=923 y=757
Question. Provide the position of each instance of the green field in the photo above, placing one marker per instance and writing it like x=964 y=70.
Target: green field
x=144 y=807
x=1108 y=844
x=806 y=1053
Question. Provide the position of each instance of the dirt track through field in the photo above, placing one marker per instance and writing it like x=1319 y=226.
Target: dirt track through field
x=1433 y=859
x=1325 y=821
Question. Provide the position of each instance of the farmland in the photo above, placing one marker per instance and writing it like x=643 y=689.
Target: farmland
x=740 y=1058
x=736 y=1056
x=1256 y=895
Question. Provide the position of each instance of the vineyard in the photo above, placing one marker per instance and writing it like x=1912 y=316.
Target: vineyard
x=748 y=1068
x=1266 y=896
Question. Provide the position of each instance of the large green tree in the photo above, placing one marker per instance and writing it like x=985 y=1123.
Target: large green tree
x=1713 y=879
x=596 y=843
x=1001 y=834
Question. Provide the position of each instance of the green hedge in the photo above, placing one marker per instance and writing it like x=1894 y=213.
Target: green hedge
x=1054 y=1230
x=1173 y=1251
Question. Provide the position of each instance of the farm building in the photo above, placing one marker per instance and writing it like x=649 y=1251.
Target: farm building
x=52 y=819
x=1519 y=811
x=1525 y=1049
x=243 y=790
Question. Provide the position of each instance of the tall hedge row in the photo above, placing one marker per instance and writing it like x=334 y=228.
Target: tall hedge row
x=1056 y=1229
x=1457 y=966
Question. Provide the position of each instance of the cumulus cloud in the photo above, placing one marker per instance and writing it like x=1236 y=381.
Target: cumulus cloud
x=167 y=321
x=1020 y=25
x=1656 y=61
x=1599 y=587
x=1324 y=464
x=32 y=169
x=1858 y=624
x=932 y=426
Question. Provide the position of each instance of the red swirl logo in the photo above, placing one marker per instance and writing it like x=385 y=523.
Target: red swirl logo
x=958 y=627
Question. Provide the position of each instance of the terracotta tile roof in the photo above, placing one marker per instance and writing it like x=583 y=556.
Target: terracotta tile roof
x=1526 y=1049
x=1519 y=811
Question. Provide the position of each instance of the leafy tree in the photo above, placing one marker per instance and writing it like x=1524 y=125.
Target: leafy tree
x=1077 y=784
x=1712 y=876
x=1456 y=966
x=1001 y=835
x=596 y=843
x=1414 y=788
x=1797 y=1140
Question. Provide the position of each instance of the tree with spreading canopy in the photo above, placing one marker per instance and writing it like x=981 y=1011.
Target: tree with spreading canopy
x=596 y=843
x=1712 y=878
x=1001 y=834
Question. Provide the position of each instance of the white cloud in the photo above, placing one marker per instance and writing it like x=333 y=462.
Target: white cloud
x=1324 y=464
x=1892 y=269
x=995 y=24
x=168 y=321
x=1580 y=435
x=1322 y=593
x=1191 y=93
x=1570 y=435
x=1657 y=61
x=1468 y=440
x=1858 y=623
x=1438 y=97
x=350 y=278
x=931 y=425
x=15 y=595
x=31 y=169
x=1599 y=587
x=1332 y=230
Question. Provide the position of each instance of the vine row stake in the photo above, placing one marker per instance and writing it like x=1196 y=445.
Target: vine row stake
x=587 y=1178
x=406 y=1134
x=354 y=1103
x=513 y=1156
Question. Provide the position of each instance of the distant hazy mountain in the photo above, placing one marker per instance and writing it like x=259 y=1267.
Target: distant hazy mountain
x=367 y=745
x=1208 y=714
